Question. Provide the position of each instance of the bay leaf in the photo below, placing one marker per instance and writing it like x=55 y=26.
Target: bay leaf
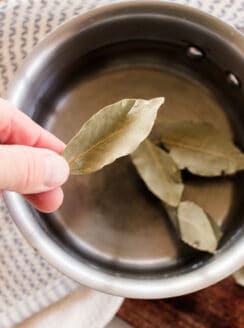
x=197 y=228
x=200 y=148
x=239 y=277
x=159 y=172
x=172 y=215
x=113 y=132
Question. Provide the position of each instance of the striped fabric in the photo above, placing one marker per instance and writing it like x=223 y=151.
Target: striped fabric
x=27 y=282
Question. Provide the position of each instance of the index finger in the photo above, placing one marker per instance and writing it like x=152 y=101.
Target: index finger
x=18 y=128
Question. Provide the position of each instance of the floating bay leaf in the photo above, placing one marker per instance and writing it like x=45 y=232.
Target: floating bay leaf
x=239 y=277
x=201 y=148
x=113 y=132
x=159 y=172
x=197 y=228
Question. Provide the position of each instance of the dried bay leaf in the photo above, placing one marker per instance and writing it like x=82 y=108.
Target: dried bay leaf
x=172 y=214
x=197 y=228
x=113 y=132
x=178 y=225
x=201 y=148
x=239 y=277
x=159 y=172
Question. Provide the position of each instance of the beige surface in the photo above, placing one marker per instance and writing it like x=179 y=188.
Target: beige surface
x=118 y=323
x=81 y=309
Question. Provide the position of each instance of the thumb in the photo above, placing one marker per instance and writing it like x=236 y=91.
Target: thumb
x=28 y=170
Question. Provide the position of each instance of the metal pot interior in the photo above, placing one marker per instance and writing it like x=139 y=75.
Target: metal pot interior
x=109 y=220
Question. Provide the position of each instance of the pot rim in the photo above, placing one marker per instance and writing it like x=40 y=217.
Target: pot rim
x=216 y=269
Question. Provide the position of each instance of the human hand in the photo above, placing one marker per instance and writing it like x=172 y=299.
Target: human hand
x=29 y=160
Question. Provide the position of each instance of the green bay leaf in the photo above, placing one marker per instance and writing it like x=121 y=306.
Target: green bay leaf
x=113 y=132
x=197 y=228
x=200 y=148
x=159 y=172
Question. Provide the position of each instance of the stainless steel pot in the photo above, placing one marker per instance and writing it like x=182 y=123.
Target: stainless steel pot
x=111 y=234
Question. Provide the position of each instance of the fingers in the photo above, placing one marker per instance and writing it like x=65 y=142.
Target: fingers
x=48 y=201
x=37 y=172
x=28 y=170
x=18 y=128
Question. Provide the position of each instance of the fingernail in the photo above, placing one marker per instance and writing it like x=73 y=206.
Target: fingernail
x=56 y=171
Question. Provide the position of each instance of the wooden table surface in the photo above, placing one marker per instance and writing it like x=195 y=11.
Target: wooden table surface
x=219 y=306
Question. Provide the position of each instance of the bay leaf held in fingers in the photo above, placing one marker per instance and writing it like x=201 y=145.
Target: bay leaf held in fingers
x=113 y=132
x=159 y=172
x=239 y=277
x=201 y=148
x=197 y=228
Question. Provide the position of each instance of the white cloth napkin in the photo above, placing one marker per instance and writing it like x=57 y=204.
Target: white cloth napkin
x=27 y=283
x=83 y=308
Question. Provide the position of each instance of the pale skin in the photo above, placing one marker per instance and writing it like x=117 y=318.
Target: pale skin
x=30 y=161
